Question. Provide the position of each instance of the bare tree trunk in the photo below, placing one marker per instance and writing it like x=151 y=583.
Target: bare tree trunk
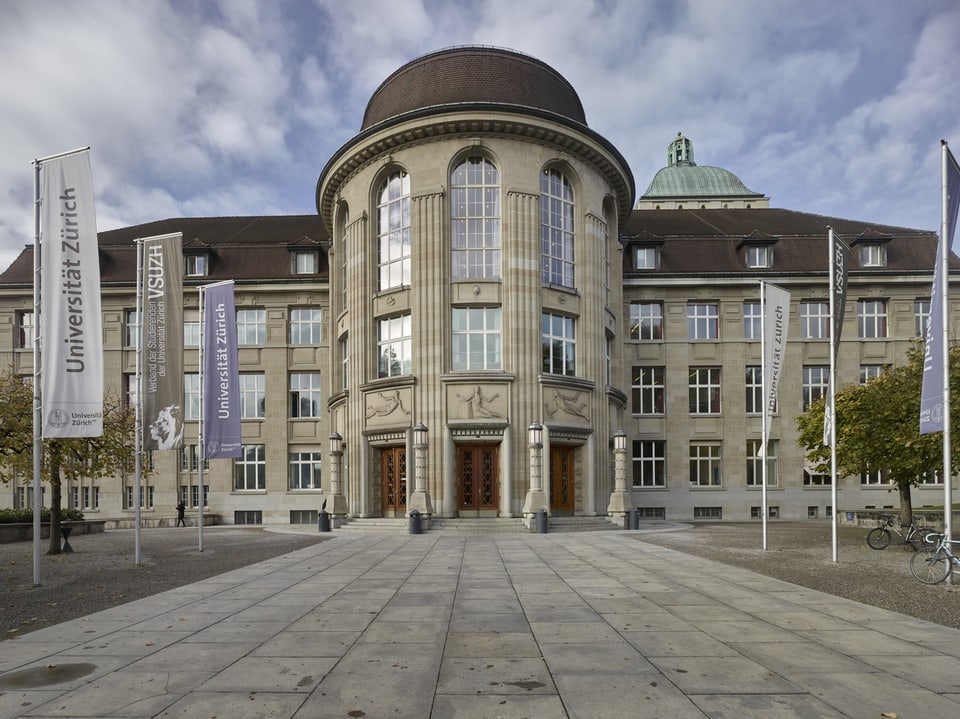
x=56 y=538
x=906 y=503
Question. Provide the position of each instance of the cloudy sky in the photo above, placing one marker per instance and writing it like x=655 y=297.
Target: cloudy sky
x=232 y=107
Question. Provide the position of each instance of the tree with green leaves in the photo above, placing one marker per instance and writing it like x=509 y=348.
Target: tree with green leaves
x=878 y=428
x=62 y=459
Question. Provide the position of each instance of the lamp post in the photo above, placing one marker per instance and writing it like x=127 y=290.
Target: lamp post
x=420 y=498
x=536 y=498
x=338 y=502
x=621 y=502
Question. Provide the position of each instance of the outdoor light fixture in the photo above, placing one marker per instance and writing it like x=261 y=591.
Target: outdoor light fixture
x=336 y=443
x=420 y=435
x=535 y=433
x=620 y=440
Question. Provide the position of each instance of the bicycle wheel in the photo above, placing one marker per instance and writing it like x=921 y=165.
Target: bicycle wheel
x=930 y=566
x=878 y=538
x=922 y=534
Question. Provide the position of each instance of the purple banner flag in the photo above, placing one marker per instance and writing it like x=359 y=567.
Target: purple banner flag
x=71 y=330
x=221 y=391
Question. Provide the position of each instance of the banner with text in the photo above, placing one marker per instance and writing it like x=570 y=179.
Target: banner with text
x=71 y=330
x=775 y=322
x=221 y=391
x=161 y=335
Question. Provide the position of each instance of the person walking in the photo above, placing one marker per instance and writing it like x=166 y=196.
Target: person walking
x=181 y=508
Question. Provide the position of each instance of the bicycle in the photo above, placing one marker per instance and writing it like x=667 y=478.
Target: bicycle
x=879 y=537
x=934 y=564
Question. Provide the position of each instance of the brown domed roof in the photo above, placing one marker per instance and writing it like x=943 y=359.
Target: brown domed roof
x=472 y=75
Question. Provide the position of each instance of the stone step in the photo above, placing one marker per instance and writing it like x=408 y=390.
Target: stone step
x=486 y=525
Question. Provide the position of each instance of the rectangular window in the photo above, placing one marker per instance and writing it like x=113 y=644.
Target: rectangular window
x=252 y=395
x=193 y=500
x=475 y=219
x=652 y=512
x=251 y=327
x=754 y=389
x=646 y=321
x=25 y=330
x=752 y=321
x=195 y=265
x=191 y=396
x=304 y=395
x=305 y=325
x=815 y=320
x=869 y=372
x=131 y=328
x=250 y=469
x=703 y=321
x=248 y=516
x=646 y=258
x=813 y=512
x=816 y=383
x=871 y=318
x=131 y=396
x=190 y=458
x=648 y=390
x=476 y=338
x=755 y=463
x=304 y=470
x=191 y=327
x=394 y=346
x=304 y=263
x=873 y=479
x=146 y=497
x=708 y=512
x=304 y=516
x=559 y=345
x=758 y=257
x=921 y=316
x=705 y=465
x=344 y=363
x=873 y=255
x=704 y=390
x=649 y=463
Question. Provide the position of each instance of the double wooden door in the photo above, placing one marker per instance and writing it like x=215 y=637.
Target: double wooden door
x=478 y=473
x=393 y=481
x=562 y=468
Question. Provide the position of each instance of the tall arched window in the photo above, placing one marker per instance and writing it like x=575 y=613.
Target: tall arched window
x=475 y=212
x=556 y=228
x=393 y=231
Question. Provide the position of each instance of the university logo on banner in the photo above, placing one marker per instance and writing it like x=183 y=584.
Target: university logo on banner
x=71 y=330
x=221 y=376
x=161 y=337
x=775 y=322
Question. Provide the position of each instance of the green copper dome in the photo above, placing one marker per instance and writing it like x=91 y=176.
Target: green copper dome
x=683 y=178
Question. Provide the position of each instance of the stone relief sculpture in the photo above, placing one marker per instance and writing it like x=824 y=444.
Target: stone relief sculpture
x=478 y=405
x=390 y=403
x=568 y=404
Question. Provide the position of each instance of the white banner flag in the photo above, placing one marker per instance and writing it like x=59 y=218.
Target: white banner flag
x=775 y=321
x=71 y=327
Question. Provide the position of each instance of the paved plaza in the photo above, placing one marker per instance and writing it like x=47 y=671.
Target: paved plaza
x=438 y=625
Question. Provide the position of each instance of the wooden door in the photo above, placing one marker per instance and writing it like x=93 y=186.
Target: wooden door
x=561 y=479
x=478 y=472
x=393 y=481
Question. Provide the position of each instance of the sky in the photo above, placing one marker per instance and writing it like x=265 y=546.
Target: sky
x=233 y=107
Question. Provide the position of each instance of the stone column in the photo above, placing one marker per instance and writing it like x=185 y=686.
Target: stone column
x=621 y=502
x=420 y=497
x=536 y=498
x=337 y=499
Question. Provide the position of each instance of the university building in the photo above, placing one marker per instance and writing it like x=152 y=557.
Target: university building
x=484 y=321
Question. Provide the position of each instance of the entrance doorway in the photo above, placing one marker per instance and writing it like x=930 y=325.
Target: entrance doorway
x=478 y=476
x=393 y=481
x=561 y=479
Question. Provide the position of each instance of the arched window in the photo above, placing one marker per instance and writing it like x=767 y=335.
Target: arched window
x=475 y=214
x=556 y=229
x=393 y=231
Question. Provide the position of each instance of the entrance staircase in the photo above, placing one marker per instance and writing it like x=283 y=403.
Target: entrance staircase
x=491 y=525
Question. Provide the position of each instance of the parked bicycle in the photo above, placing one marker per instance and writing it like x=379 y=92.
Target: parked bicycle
x=879 y=537
x=932 y=565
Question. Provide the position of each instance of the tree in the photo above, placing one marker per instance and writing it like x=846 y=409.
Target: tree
x=878 y=428
x=62 y=459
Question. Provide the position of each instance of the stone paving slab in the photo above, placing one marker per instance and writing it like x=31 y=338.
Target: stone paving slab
x=437 y=626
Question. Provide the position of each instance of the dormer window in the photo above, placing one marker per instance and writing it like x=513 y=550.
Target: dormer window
x=646 y=257
x=758 y=256
x=304 y=262
x=873 y=254
x=196 y=265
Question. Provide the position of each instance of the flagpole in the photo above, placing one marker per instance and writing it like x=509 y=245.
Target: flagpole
x=202 y=450
x=138 y=411
x=764 y=379
x=831 y=404
x=37 y=399
x=944 y=316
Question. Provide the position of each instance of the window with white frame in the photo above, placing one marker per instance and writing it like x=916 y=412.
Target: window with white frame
x=873 y=255
x=304 y=395
x=252 y=395
x=191 y=396
x=755 y=463
x=344 y=362
x=305 y=325
x=394 y=346
x=931 y=476
x=191 y=327
x=393 y=231
x=305 y=262
x=921 y=316
x=146 y=497
x=871 y=318
x=250 y=468
x=25 y=329
x=812 y=478
x=703 y=321
x=648 y=390
x=190 y=458
x=131 y=328
x=476 y=340
x=475 y=219
x=753 y=382
x=869 y=372
x=752 y=321
x=251 y=326
x=816 y=383
x=649 y=463
x=131 y=395
x=196 y=265
x=304 y=470
x=875 y=478
x=705 y=464
x=758 y=256
x=646 y=257
x=815 y=320
x=559 y=344
x=708 y=512
x=704 y=390
x=556 y=229
x=646 y=321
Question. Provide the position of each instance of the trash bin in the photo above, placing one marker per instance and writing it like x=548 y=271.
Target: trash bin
x=543 y=522
x=633 y=519
x=416 y=522
x=323 y=521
